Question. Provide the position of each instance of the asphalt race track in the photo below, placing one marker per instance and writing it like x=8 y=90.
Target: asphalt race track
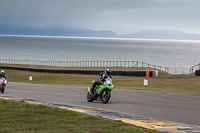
x=170 y=106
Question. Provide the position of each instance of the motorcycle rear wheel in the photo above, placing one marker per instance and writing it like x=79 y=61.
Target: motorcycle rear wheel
x=89 y=97
x=105 y=96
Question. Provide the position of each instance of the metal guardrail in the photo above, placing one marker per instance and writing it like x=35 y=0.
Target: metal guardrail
x=84 y=63
x=194 y=68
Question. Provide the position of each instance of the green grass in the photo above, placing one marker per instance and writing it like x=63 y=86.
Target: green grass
x=22 y=117
x=165 y=82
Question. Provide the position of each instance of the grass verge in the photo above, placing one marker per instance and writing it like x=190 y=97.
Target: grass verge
x=23 y=117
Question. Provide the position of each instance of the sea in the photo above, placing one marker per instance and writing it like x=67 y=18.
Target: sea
x=178 y=55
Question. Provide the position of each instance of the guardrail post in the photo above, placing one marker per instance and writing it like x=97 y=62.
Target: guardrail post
x=192 y=69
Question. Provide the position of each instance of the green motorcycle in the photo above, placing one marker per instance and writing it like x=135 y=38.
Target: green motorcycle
x=101 y=92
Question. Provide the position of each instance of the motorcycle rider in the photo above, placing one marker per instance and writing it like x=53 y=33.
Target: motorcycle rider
x=3 y=74
x=102 y=77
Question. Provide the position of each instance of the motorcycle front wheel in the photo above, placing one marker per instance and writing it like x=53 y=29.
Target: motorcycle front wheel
x=105 y=97
x=2 y=89
x=89 y=97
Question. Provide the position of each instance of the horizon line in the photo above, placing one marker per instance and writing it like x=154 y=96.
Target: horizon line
x=113 y=38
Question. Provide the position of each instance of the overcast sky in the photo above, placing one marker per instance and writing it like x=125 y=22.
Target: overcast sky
x=119 y=16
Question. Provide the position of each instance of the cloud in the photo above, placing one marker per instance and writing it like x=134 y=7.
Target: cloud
x=45 y=11
x=116 y=15
x=41 y=10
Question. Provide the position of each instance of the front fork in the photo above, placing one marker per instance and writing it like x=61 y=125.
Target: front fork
x=1 y=87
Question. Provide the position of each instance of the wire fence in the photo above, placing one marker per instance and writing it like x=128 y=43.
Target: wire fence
x=84 y=63
x=171 y=70
x=194 y=68
x=179 y=70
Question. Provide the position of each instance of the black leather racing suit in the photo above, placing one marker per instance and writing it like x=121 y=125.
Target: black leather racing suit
x=102 y=77
x=3 y=75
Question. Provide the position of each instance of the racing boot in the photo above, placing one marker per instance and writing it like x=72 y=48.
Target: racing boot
x=90 y=90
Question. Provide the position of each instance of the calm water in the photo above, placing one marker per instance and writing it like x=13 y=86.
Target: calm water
x=175 y=54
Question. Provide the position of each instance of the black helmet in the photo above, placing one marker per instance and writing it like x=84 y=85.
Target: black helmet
x=107 y=71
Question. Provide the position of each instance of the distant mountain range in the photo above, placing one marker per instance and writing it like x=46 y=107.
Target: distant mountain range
x=85 y=32
x=163 y=34
x=52 y=31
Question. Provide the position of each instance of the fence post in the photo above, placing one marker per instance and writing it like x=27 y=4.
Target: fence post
x=192 y=69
